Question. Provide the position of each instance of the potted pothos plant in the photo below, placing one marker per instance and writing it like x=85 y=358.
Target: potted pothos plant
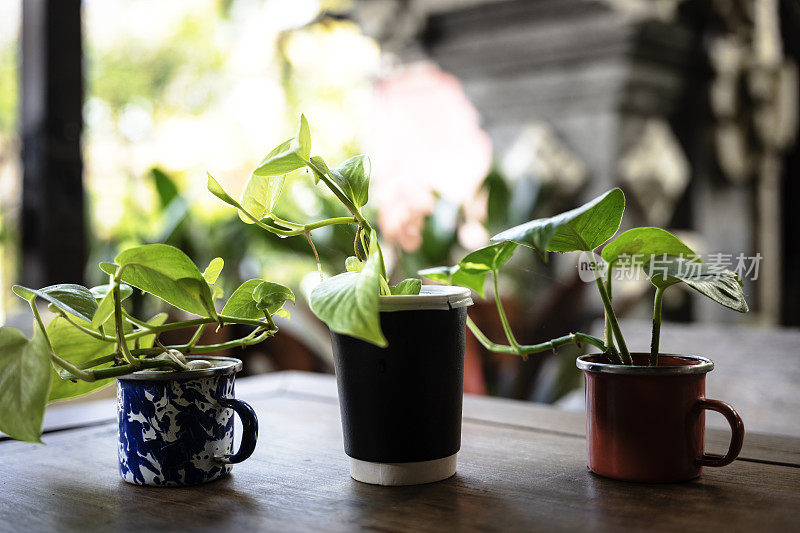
x=398 y=349
x=645 y=411
x=175 y=404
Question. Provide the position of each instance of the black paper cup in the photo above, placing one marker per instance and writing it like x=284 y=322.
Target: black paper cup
x=401 y=405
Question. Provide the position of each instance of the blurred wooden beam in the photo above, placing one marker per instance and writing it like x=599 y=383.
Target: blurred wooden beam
x=53 y=222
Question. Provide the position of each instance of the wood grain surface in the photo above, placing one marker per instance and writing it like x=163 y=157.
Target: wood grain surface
x=521 y=468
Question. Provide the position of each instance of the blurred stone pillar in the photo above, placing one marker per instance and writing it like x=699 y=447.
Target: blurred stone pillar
x=53 y=223
x=748 y=123
x=599 y=78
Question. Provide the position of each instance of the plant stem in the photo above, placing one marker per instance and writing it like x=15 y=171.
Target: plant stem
x=524 y=350
x=323 y=176
x=60 y=361
x=604 y=296
x=316 y=255
x=298 y=229
x=103 y=359
x=501 y=311
x=166 y=351
x=78 y=373
x=623 y=348
x=135 y=321
x=561 y=341
x=610 y=315
x=359 y=219
x=355 y=243
x=654 y=341
x=208 y=348
x=326 y=222
x=285 y=223
x=484 y=340
x=384 y=274
x=260 y=224
x=40 y=323
x=236 y=320
x=122 y=343
x=92 y=333
x=380 y=253
x=150 y=329
x=364 y=247
x=116 y=371
x=244 y=340
x=609 y=335
x=385 y=289
x=306 y=228
x=196 y=337
x=73 y=372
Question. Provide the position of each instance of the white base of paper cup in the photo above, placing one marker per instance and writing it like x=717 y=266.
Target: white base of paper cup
x=397 y=474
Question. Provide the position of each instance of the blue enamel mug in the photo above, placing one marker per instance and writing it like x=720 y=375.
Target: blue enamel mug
x=176 y=428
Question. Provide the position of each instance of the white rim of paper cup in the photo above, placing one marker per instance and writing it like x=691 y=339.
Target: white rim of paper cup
x=399 y=474
x=430 y=297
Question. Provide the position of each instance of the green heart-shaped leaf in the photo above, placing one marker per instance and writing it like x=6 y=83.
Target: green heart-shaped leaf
x=165 y=187
x=440 y=274
x=100 y=291
x=212 y=271
x=489 y=258
x=262 y=191
x=254 y=297
x=78 y=348
x=24 y=384
x=105 y=308
x=289 y=155
x=167 y=273
x=583 y=228
x=472 y=271
x=76 y=300
x=216 y=189
x=475 y=280
x=260 y=196
x=319 y=163
x=241 y=303
x=640 y=244
x=271 y=296
x=352 y=177
x=108 y=268
x=721 y=285
x=409 y=286
x=304 y=138
x=283 y=162
x=348 y=303
x=353 y=264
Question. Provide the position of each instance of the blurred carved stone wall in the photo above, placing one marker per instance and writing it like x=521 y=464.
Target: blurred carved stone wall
x=690 y=105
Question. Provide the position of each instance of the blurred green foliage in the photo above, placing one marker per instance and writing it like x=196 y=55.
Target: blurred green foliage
x=129 y=71
x=8 y=91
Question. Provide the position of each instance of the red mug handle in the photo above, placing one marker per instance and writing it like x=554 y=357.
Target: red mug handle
x=737 y=433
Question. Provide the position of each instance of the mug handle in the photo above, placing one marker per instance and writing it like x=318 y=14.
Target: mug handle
x=249 y=430
x=737 y=433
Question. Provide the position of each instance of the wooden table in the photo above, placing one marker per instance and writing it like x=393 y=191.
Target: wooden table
x=521 y=467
